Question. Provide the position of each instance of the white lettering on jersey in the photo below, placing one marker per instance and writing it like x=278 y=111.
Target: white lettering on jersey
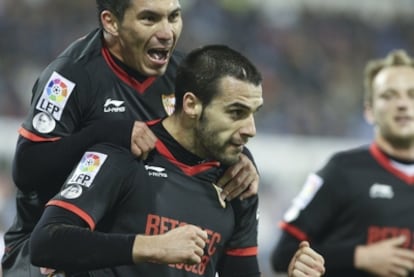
x=114 y=106
x=381 y=191
x=55 y=95
x=309 y=189
x=87 y=169
x=156 y=171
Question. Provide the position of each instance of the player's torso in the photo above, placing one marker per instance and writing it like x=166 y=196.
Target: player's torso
x=376 y=204
x=163 y=198
x=85 y=85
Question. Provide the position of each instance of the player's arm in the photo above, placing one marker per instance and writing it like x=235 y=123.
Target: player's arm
x=62 y=240
x=240 y=255
x=309 y=218
x=306 y=262
x=240 y=180
x=45 y=165
x=65 y=135
x=55 y=243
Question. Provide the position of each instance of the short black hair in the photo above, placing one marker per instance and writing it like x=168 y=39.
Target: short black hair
x=116 y=7
x=202 y=68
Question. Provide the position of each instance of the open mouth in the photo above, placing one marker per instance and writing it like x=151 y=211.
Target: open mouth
x=158 y=55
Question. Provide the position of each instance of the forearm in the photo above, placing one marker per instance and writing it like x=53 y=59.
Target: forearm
x=45 y=165
x=63 y=243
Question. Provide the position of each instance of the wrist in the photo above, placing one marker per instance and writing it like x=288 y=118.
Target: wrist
x=359 y=257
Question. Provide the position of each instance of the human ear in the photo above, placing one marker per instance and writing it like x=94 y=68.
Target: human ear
x=369 y=113
x=191 y=105
x=109 y=22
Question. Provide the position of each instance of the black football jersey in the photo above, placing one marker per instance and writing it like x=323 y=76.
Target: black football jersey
x=85 y=84
x=114 y=192
x=359 y=197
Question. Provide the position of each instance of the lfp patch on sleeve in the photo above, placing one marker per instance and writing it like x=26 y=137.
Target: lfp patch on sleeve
x=55 y=95
x=310 y=188
x=87 y=169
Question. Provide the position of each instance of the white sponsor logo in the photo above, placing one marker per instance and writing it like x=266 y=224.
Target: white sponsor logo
x=114 y=106
x=43 y=123
x=156 y=171
x=87 y=169
x=381 y=191
x=71 y=191
x=309 y=189
x=55 y=95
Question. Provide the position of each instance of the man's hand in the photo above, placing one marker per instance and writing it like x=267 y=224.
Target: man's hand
x=386 y=258
x=240 y=179
x=306 y=262
x=184 y=244
x=142 y=140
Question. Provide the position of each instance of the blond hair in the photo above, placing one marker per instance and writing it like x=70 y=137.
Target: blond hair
x=396 y=57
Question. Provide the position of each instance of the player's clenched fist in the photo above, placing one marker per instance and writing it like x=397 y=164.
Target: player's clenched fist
x=306 y=262
x=142 y=140
x=184 y=244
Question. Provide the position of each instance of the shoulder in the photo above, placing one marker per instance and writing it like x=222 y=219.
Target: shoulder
x=78 y=56
x=117 y=156
x=351 y=156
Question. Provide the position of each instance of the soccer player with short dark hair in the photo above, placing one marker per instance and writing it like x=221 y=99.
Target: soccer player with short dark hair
x=100 y=89
x=164 y=216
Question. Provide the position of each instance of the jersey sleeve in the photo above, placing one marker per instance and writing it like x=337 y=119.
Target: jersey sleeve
x=242 y=248
x=58 y=101
x=96 y=184
x=311 y=216
x=61 y=101
x=244 y=239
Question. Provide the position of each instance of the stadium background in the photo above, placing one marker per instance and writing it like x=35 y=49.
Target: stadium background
x=311 y=53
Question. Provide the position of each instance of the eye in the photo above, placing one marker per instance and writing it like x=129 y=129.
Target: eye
x=237 y=113
x=175 y=16
x=387 y=95
x=148 y=18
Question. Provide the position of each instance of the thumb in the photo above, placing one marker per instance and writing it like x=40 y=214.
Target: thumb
x=397 y=240
x=303 y=244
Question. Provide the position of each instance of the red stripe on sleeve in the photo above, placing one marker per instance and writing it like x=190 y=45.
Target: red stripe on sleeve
x=33 y=137
x=74 y=209
x=293 y=230
x=249 y=251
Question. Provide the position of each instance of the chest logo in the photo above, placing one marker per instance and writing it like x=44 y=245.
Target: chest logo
x=381 y=191
x=114 y=106
x=156 y=171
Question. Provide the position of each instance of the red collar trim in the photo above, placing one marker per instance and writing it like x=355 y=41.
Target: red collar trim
x=140 y=87
x=385 y=162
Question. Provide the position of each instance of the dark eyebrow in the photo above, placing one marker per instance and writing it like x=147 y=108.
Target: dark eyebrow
x=242 y=106
x=148 y=11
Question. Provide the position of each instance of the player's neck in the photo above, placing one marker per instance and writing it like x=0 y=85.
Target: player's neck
x=397 y=150
x=182 y=131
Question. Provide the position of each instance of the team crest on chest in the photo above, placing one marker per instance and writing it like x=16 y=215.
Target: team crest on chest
x=168 y=101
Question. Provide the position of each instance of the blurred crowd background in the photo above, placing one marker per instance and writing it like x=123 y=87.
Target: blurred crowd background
x=311 y=52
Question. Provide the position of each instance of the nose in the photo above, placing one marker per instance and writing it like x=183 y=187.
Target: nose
x=249 y=127
x=165 y=31
x=403 y=101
